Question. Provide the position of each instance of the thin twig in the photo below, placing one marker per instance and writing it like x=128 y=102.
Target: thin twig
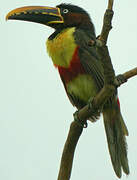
x=107 y=26
x=110 y=4
x=130 y=73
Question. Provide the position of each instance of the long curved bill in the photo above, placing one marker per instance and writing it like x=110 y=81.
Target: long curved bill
x=38 y=14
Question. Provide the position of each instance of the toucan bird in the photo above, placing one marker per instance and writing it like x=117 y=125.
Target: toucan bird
x=80 y=68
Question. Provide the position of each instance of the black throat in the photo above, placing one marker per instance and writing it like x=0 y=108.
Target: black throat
x=88 y=29
x=53 y=35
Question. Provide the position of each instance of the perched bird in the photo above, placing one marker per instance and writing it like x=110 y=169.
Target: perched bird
x=80 y=68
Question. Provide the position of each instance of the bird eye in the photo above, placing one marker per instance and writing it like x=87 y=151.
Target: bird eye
x=65 y=11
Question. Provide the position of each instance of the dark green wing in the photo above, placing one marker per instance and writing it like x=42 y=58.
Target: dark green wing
x=89 y=57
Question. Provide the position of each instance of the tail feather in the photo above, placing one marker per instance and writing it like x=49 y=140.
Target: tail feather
x=115 y=132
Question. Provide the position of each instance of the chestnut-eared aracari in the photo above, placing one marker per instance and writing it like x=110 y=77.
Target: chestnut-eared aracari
x=80 y=68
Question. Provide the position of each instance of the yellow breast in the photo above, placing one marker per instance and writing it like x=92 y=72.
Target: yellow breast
x=83 y=87
x=62 y=47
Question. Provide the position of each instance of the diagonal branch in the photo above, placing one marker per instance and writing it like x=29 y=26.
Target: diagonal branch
x=130 y=74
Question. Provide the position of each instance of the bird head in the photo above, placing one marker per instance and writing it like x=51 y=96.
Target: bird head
x=59 y=17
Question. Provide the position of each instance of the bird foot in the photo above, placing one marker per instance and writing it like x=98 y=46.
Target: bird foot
x=96 y=115
x=83 y=124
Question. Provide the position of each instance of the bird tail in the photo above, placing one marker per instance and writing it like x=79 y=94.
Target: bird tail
x=116 y=131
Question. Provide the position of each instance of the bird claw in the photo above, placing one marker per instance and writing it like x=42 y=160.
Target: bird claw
x=83 y=124
x=96 y=115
